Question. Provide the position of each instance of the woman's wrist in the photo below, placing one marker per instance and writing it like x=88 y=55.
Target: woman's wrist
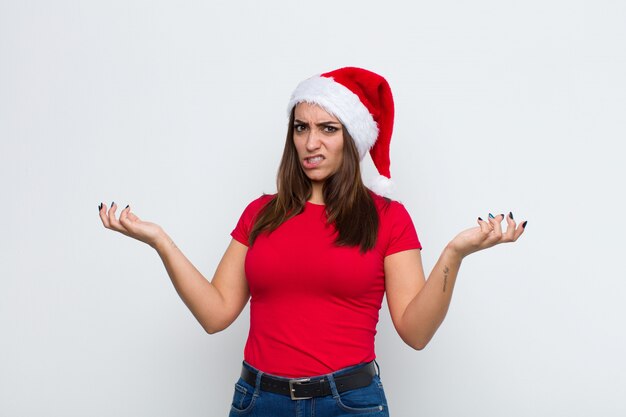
x=452 y=253
x=162 y=242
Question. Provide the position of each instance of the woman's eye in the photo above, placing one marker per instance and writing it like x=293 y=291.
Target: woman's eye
x=330 y=129
x=298 y=128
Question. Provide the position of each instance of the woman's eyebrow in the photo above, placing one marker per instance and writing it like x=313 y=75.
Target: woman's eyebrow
x=324 y=123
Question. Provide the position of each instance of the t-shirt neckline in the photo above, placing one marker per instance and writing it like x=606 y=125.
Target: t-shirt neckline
x=315 y=205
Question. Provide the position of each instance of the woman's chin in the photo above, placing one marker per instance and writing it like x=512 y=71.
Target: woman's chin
x=317 y=179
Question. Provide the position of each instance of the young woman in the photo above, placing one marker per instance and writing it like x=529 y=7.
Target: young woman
x=316 y=258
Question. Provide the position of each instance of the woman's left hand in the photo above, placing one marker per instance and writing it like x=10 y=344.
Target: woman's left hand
x=488 y=234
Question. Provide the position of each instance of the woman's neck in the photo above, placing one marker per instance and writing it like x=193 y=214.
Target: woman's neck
x=317 y=196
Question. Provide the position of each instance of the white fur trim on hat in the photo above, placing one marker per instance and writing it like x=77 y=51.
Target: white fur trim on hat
x=382 y=186
x=343 y=104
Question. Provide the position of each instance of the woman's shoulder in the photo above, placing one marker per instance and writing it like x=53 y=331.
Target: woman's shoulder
x=396 y=225
x=247 y=218
x=263 y=199
x=258 y=203
x=385 y=205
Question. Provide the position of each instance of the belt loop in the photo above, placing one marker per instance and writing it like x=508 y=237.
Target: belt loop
x=377 y=368
x=257 y=384
x=332 y=385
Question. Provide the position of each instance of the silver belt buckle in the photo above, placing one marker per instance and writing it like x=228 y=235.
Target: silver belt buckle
x=292 y=389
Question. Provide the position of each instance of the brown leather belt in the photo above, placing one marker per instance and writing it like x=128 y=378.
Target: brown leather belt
x=305 y=388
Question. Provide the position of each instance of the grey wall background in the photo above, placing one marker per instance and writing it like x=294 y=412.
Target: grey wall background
x=179 y=110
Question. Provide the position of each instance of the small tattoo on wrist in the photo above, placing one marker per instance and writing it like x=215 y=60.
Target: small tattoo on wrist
x=445 y=277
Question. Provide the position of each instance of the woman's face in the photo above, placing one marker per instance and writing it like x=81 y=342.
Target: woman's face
x=318 y=137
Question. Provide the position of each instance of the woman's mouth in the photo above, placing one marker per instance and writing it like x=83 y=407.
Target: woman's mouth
x=313 y=161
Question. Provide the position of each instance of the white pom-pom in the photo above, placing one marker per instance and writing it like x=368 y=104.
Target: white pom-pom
x=382 y=186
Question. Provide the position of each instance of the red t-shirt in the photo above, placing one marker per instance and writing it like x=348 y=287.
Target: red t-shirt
x=314 y=305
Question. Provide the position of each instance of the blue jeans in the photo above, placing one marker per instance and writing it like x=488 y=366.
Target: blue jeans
x=250 y=401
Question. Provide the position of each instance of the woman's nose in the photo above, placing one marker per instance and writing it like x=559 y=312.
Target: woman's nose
x=313 y=141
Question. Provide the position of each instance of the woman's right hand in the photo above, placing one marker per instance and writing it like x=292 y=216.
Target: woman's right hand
x=131 y=225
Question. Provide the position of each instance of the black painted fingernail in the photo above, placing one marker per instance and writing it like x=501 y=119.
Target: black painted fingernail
x=480 y=219
x=491 y=216
x=502 y=215
x=524 y=224
x=128 y=205
x=113 y=202
x=511 y=214
x=99 y=206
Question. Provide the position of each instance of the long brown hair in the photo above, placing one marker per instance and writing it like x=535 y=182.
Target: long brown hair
x=349 y=206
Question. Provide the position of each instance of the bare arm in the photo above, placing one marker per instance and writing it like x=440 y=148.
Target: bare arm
x=214 y=304
x=418 y=306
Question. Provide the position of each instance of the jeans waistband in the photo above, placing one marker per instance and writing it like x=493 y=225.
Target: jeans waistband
x=312 y=377
x=349 y=378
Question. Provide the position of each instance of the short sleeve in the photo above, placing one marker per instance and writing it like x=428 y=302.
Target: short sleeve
x=402 y=235
x=241 y=232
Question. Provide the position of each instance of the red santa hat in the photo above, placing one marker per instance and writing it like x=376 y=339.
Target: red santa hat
x=362 y=101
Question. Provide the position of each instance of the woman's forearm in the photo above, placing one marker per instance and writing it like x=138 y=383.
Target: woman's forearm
x=199 y=295
x=425 y=313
